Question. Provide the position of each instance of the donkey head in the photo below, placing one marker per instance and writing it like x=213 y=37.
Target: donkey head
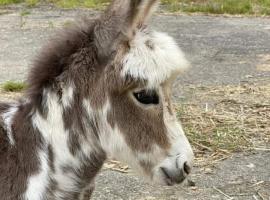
x=140 y=65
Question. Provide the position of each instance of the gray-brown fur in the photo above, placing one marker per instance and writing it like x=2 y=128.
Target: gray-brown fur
x=20 y=161
x=3 y=107
x=88 y=58
x=72 y=57
x=148 y=129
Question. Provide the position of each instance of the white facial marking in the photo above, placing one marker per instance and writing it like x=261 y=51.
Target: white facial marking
x=115 y=145
x=111 y=140
x=93 y=116
x=154 y=65
x=180 y=143
x=8 y=120
x=180 y=151
x=37 y=184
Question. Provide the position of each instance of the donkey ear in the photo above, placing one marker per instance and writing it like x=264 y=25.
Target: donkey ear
x=119 y=22
x=134 y=12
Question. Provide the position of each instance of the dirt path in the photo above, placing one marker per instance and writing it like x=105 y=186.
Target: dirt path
x=222 y=50
x=241 y=177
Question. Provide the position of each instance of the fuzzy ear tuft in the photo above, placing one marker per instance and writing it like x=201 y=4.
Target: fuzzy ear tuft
x=120 y=22
x=134 y=13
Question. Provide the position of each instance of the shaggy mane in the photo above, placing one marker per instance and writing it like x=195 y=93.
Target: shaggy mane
x=56 y=57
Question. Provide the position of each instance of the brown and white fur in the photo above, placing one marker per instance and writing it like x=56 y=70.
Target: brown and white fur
x=80 y=108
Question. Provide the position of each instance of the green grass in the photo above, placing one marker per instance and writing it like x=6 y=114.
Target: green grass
x=80 y=3
x=29 y=3
x=250 y=7
x=12 y=86
x=6 y=2
x=260 y=7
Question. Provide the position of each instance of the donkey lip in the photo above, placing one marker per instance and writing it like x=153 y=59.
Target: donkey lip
x=170 y=180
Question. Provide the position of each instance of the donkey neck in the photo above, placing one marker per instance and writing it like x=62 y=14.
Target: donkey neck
x=70 y=133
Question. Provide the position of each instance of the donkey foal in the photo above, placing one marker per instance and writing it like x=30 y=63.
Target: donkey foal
x=101 y=89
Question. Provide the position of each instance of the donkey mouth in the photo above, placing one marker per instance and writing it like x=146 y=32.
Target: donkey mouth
x=172 y=178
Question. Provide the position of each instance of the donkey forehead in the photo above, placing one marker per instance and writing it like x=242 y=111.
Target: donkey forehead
x=153 y=57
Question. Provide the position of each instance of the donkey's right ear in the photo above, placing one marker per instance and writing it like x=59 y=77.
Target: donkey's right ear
x=120 y=21
x=134 y=13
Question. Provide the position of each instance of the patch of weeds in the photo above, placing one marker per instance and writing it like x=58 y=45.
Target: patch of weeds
x=77 y=4
x=12 y=86
x=6 y=2
x=259 y=7
x=67 y=3
x=31 y=3
x=264 y=7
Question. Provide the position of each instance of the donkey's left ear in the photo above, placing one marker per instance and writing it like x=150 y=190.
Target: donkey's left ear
x=119 y=23
x=134 y=13
x=142 y=10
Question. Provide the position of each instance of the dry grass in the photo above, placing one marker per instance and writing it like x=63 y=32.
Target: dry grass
x=223 y=120
x=8 y=96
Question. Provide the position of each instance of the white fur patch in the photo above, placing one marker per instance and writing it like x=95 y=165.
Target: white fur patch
x=37 y=184
x=67 y=96
x=180 y=144
x=8 y=120
x=115 y=145
x=180 y=151
x=111 y=140
x=53 y=130
x=156 y=64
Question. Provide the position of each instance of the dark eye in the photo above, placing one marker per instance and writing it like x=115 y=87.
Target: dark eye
x=147 y=97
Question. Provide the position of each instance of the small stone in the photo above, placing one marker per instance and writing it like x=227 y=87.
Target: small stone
x=250 y=165
x=208 y=171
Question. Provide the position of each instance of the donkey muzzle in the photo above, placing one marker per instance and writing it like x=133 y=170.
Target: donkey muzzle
x=175 y=170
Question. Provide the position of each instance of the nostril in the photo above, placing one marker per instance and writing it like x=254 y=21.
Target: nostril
x=187 y=168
